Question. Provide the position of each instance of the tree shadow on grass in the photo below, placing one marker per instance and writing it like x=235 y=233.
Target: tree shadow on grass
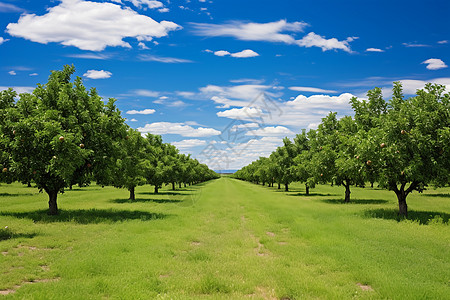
x=15 y=195
x=436 y=195
x=311 y=195
x=145 y=200
x=355 y=201
x=88 y=216
x=421 y=217
x=163 y=193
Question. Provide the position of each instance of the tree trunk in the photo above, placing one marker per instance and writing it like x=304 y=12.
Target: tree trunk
x=279 y=185
x=286 y=187
x=347 y=193
x=52 y=204
x=173 y=186
x=307 y=189
x=29 y=184
x=185 y=184
x=402 y=206
x=132 y=195
x=371 y=184
x=156 y=189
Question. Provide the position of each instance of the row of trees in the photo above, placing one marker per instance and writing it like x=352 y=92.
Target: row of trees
x=63 y=135
x=403 y=145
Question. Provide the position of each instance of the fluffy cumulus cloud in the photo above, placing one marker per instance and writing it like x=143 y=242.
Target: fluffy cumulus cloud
x=178 y=128
x=280 y=31
x=311 y=89
x=410 y=86
x=147 y=4
x=97 y=74
x=89 y=25
x=298 y=113
x=435 y=64
x=272 y=131
x=242 y=54
x=19 y=89
x=187 y=144
x=147 y=111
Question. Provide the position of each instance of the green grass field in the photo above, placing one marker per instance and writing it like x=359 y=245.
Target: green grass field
x=225 y=239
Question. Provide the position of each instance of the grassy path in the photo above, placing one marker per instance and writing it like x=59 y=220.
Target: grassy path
x=226 y=239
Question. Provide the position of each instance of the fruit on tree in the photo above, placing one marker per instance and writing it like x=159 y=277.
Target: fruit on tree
x=383 y=145
x=403 y=131
x=81 y=146
x=5 y=170
x=369 y=162
x=61 y=139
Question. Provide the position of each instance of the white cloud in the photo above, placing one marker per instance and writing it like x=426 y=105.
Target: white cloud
x=177 y=103
x=374 y=50
x=177 y=128
x=6 y=7
x=168 y=60
x=146 y=111
x=34 y=74
x=133 y=120
x=443 y=42
x=18 y=89
x=271 y=131
x=244 y=113
x=186 y=144
x=146 y=93
x=435 y=64
x=239 y=95
x=147 y=4
x=245 y=53
x=242 y=54
x=414 y=45
x=2 y=40
x=91 y=56
x=410 y=87
x=271 y=32
x=143 y=46
x=163 y=10
x=95 y=74
x=89 y=25
x=221 y=53
x=310 y=89
x=186 y=94
x=12 y=73
x=315 y=40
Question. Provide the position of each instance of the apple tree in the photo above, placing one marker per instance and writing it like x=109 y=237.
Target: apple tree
x=63 y=132
x=409 y=149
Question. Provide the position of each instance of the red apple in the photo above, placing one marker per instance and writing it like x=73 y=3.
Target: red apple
x=383 y=145
x=320 y=148
x=61 y=139
x=89 y=165
x=369 y=162
x=34 y=172
x=357 y=156
x=403 y=131
x=81 y=146
x=321 y=174
x=5 y=170
x=14 y=132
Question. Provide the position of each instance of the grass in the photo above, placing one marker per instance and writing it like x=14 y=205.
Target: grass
x=226 y=239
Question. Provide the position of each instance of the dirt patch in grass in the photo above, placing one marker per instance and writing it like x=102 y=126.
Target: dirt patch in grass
x=364 y=287
x=16 y=287
x=263 y=293
x=270 y=233
x=195 y=243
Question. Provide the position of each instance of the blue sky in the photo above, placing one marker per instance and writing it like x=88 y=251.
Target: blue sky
x=227 y=80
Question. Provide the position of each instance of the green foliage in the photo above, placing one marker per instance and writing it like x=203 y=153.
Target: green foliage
x=5 y=233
